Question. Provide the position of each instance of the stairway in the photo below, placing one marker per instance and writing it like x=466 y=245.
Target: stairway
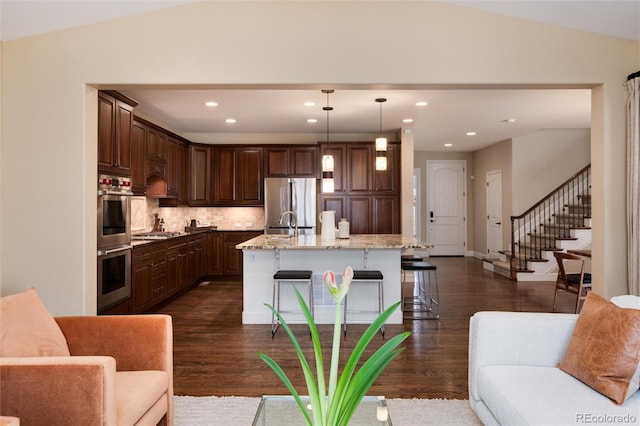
x=559 y=222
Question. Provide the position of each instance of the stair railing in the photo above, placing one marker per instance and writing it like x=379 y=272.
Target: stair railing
x=550 y=219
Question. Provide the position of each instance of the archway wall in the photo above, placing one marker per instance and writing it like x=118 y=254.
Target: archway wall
x=49 y=83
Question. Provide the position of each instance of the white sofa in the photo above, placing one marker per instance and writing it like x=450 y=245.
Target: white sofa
x=513 y=378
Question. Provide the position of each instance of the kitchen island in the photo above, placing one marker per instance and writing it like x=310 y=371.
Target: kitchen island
x=266 y=254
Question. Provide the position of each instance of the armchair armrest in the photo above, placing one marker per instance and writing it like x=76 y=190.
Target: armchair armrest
x=516 y=338
x=137 y=342
x=71 y=390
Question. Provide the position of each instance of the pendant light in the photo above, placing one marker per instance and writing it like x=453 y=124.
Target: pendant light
x=327 y=160
x=381 y=143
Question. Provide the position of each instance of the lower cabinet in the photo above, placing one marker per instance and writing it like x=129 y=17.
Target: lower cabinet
x=161 y=269
x=231 y=256
x=148 y=276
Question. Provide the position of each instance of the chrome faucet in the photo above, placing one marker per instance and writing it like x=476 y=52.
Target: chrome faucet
x=295 y=217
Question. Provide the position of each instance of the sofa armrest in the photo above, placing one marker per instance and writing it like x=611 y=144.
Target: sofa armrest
x=59 y=390
x=137 y=342
x=516 y=338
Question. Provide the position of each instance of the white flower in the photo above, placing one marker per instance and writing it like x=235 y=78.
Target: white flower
x=340 y=292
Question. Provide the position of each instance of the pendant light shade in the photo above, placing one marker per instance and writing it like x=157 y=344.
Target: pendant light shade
x=381 y=143
x=327 y=160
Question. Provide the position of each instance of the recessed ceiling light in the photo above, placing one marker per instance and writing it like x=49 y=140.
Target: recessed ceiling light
x=408 y=120
x=309 y=103
x=230 y=120
x=448 y=144
x=422 y=103
x=509 y=120
x=312 y=120
x=471 y=133
x=211 y=104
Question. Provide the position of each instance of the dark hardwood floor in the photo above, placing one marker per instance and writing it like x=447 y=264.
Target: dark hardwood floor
x=215 y=354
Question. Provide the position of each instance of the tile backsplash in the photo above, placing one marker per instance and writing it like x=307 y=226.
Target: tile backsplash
x=176 y=218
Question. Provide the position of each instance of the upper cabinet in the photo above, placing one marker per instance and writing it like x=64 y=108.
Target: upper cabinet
x=200 y=168
x=291 y=161
x=368 y=198
x=237 y=176
x=115 y=122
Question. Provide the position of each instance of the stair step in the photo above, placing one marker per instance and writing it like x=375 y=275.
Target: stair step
x=551 y=237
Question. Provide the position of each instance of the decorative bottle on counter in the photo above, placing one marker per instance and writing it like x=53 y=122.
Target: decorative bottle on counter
x=343 y=228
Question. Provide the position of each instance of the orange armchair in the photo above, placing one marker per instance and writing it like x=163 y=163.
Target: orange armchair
x=120 y=372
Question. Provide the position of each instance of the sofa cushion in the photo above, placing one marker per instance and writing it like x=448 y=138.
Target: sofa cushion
x=516 y=394
x=604 y=350
x=27 y=329
x=137 y=391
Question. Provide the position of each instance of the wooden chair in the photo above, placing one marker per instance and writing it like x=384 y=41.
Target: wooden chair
x=577 y=283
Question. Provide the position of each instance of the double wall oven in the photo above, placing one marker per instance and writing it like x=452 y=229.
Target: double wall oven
x=114 y=240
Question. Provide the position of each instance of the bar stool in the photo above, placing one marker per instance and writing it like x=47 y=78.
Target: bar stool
x=408 y=258
x=289 y=276
x=425 y=292
x=366 y=276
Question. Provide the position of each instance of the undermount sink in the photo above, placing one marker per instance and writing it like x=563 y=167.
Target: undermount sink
x=279 y=237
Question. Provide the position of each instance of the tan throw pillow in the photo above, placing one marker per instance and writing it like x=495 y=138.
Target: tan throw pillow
x=604 y=351
x=28 y=329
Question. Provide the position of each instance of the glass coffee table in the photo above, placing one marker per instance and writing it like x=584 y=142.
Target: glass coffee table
x=282 y=410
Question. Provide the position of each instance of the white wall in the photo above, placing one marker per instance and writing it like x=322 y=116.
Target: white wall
x=49 y=103
x=543 y=160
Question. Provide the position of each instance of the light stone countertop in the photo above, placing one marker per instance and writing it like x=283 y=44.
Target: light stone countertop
x=358 y=241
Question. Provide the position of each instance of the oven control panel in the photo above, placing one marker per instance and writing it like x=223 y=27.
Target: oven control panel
x=114 y=183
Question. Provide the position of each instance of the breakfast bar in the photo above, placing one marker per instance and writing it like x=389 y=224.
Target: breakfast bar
x=266 y=254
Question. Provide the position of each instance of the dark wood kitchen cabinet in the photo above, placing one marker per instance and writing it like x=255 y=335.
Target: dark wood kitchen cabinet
x=368 y=198
x=237 y=176
x=148 y=275
x=291 y=161
x=177 y=266
x=196 y=257
x=115 y=122
x=214 y=253
x=172 y=167
x=232 y=257
x=138 y=158
x=183 y=174
x=200 y=170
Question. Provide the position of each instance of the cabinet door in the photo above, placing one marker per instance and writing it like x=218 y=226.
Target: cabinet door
x=123 y=125
x=224 y=172
x=138 y=158
x=276 y=161
x=106 y=133
x=333 y=202
x=171 y=171
x=141 y=274
x=200 y=176
x=250 y=175
x=161 y=145
x=386 y=214
x=360 y=164
x=304 y=161
x=214 y=253
x=359 y=214
x=183 y=174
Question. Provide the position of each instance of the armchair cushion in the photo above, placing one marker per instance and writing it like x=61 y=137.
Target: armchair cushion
x=604 y=350
x=27 y=329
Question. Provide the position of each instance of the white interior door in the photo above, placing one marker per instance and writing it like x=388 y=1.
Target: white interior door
x=494 y=213
x=446 y=207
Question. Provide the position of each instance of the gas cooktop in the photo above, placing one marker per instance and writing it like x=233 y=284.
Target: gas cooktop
x=155 y=235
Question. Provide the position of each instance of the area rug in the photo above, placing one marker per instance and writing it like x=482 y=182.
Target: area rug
x=232 y=411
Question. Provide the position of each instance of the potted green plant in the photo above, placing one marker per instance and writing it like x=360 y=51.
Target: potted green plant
x=346 y=392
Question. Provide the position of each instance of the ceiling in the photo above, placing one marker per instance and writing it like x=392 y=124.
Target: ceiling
x=449 y=115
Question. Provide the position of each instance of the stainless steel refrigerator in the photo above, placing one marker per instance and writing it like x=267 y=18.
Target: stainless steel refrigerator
x=290 y=194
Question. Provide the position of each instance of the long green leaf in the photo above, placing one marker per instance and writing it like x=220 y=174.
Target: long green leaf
x=319 y=404
x=367 y=373
x=285 y=379
x=364 y=385
x=352 y=362
x=308 y=375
